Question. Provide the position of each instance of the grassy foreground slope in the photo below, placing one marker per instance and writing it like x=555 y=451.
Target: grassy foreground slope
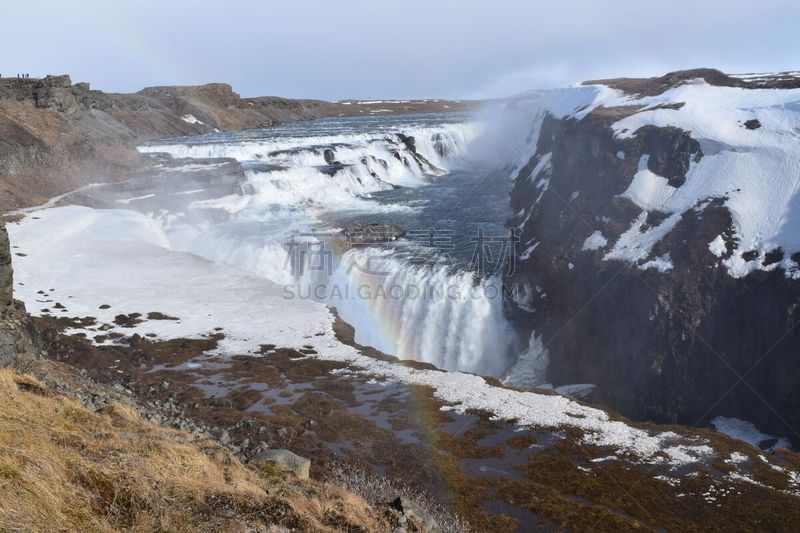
x=65 y=468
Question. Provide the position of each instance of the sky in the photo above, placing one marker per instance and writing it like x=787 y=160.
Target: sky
x=379 y=49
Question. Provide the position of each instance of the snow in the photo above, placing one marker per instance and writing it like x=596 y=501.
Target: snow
x=126 y=201
x=662 y=264
x=595 y=241
x=123 y=258
x=756 y=172
x=191 y=119
x=528 y=251
x=681 y=455
x=648 y=190
x=745 y=431
x=737 y=458
x=543 y=165
x=636 y=243
x=717 y=246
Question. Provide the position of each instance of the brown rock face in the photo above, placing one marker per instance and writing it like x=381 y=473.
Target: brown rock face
x=19 y=345
x=6 y=272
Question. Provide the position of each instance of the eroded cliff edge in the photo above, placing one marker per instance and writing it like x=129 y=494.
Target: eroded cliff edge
x=628 y=293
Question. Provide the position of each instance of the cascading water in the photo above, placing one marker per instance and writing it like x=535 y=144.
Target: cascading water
x=315 y=177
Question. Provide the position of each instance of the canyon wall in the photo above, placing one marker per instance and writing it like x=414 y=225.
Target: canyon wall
x=659 y=323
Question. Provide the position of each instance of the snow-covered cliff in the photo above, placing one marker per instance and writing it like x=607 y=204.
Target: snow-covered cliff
x=660 y=223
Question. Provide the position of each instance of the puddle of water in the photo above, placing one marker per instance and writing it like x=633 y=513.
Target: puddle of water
x=496 y=467
x=285 y=395
x=528 y=521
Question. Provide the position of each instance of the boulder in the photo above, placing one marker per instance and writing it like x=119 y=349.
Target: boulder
x=414 y=514
x=285 y=460
x=752 y=124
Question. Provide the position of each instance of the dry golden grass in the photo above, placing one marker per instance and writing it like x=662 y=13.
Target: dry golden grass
x=64 y=468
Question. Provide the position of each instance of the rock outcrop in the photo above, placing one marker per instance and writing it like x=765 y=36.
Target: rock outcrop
x=357 y=234
x=19 y=346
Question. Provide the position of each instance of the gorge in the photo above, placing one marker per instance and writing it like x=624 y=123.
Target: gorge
x=642 y=256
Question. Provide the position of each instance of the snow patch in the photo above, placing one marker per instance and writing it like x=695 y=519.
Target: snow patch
x=191 y=119
x=717 y=246
x=648 y=190
x=595 y=241
x=662 y=264
x=746 y=431
x=636 y=243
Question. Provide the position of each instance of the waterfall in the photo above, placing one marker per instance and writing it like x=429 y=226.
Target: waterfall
x=450 y=318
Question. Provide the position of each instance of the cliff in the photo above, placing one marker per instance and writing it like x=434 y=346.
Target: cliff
x=658 y=252
x=19 y=340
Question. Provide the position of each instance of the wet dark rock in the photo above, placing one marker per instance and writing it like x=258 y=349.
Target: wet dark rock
x=773 y=256
x=6 y=272
x=768 y=444
x=128 y=321
x=332 y=169
x=357 y=234
x=669 y=152
x=752 y=124
x=409 y=141
x=134 y=340
x=750 y=255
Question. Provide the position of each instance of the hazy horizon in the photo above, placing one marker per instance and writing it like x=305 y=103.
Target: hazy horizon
x=469 y=49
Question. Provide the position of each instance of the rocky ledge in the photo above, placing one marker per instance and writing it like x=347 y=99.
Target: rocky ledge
x=360 y=234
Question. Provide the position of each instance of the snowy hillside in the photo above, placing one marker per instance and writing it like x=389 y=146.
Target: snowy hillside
x=749 y=156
